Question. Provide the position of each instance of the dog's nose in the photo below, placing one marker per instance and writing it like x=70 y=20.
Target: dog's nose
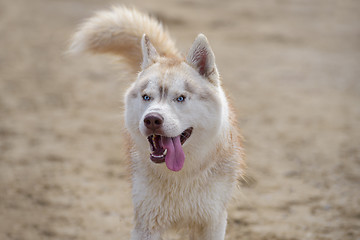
x=153 y=121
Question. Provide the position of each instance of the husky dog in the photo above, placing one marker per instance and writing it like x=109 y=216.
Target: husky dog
x=186 y=154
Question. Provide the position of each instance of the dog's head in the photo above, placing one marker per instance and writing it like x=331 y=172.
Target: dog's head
x=175 y=107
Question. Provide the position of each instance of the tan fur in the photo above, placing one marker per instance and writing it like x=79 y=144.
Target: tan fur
x=119 y=32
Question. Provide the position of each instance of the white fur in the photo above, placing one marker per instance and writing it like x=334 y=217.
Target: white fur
x=194 y=198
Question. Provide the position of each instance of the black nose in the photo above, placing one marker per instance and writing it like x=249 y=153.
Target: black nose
x=153 y=121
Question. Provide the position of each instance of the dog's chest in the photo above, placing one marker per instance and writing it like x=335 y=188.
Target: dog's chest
x=188 y=200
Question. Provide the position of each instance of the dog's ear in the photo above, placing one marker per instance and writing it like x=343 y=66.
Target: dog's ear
x=202 y=58
x=149 y=53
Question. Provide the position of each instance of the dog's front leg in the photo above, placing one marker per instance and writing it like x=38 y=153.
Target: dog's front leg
x=144 y=234
x=213 y=230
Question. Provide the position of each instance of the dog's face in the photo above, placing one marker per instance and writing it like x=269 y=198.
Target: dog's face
x=172 y=109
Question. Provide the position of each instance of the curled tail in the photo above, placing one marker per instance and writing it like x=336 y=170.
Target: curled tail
x=119 y=31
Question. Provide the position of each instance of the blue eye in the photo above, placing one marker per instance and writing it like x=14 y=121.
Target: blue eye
x=146 y=98
x=181 y=98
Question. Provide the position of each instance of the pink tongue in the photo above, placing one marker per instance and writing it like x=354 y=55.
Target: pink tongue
x=175 y=156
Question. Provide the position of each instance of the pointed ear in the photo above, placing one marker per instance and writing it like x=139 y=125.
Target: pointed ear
x=202 y=58
x=148 y=52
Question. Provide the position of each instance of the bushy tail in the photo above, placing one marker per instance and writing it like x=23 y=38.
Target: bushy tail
x=119 y=31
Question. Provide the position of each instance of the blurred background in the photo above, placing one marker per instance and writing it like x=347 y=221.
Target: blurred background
x=291 y=67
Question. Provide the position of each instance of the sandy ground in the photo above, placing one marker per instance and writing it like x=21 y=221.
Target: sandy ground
x=291 y=67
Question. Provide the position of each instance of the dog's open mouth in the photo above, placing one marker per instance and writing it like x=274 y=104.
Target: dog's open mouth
x=169 y=149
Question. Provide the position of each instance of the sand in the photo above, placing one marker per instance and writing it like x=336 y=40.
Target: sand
x=292 y=69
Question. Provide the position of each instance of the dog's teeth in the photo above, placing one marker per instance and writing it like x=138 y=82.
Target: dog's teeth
x=165 y=152
x=153 y=138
